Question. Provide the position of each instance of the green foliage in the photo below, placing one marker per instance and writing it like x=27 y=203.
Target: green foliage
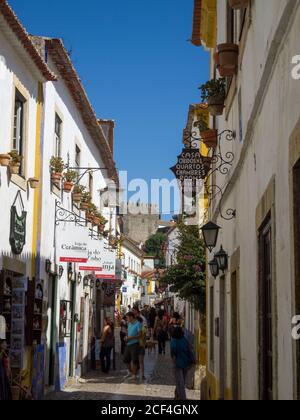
x=187 y=278
x=57 y=165
x=213 y=88
x=15 y=157
x=153 y=246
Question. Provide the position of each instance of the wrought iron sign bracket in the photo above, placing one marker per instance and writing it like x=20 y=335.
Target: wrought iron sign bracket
x=63 y=215
x=212 y=191
x=85 y=170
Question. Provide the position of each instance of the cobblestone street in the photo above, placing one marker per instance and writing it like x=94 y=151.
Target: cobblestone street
x=159 y=383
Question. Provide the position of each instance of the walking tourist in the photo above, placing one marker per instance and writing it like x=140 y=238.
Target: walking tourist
x=5 y=373
x=131 y=356
x=137 y=313
x=152 y=318
x=142 y=348
x=160 y=331
x=183 y=358
x=123 y=334
x=107 y=344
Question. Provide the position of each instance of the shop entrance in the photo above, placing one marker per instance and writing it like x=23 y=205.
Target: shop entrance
x=52 y=314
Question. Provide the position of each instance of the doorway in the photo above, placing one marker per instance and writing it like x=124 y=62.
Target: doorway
x=266 y=312
x=235 y=338
x=296 y=187
x=52 y=312
x=222 y=337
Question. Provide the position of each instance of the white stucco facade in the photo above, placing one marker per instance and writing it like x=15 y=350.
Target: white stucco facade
x=262 y=107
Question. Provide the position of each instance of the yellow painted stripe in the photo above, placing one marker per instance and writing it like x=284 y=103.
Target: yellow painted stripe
x=36 y=209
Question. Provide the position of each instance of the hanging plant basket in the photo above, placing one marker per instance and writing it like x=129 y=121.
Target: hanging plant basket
x=68 y=186
x=210 y=138
x=216 y=105
x=228 y=57
x=5 y=160
x=96 y=221
x=34 y=183
x=56 y=178
x=84 y=206
x=77 y=197
x=14 y=168
x=238 y=4
x=89 y=217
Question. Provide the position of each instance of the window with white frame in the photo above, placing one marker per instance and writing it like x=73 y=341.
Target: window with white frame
x=58 y=136
x=19 y=123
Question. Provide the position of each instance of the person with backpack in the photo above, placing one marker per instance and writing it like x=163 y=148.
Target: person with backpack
x=183 y=359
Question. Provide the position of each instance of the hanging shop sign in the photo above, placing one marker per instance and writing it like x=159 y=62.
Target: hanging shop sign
x=108 y=263
x=190 y=166
x=17 y=237
x=95 y=254
x=72 y=243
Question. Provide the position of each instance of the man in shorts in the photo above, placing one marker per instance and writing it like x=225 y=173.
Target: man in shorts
x=131 y=356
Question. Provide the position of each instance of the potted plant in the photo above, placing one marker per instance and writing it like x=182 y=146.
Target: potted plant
x=228 y=58
x=85 y=200
x=57 y=167
x=15 y=162
x=208 y=135
x=102 y=224
x=213 y=93
x=90 y=212
x=97 y=218
x=238 y=4
x=69 y=179
x=78 y=190
x=34 y=183
x=5 y=160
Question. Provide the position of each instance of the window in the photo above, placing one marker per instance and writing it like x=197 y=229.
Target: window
x=296 y=181
x=230 y=24
x=242 y=18
x=212 y=327
x=266 y=311
x=77 y=157
x=91 y=184
x=58 y=131
x=18 y=134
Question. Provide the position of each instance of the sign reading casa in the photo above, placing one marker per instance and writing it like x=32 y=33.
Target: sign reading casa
x=72 y=244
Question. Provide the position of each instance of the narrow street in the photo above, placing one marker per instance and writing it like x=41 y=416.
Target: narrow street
x=160 y=383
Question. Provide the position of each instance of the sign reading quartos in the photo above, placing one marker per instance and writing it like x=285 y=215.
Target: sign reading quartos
x=190 y=166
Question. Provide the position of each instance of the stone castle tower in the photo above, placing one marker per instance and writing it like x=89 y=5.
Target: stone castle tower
x=140 y=221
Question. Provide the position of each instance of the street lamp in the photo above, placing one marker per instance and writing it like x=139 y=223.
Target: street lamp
x=60 y=271
x=214 y=268
x=210 y=234
x=79 y=278
x=98 y=284
x=70 y=272
x=92 y=283
x=222 y=259
x=48 y=266
x=86 y=281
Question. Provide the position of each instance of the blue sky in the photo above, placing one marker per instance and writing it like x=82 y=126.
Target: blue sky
x=137 y=66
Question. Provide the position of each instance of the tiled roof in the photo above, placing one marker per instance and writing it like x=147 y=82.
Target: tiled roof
x=67 y=71
x=24 y=38
x=196 y=36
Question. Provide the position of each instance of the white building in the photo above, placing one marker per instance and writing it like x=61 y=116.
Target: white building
x=44 y=113
x=251 y=352
x=132 y=261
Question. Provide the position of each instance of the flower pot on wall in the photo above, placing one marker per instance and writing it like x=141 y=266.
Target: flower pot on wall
x=84 y=206
x=89 y=217
x=14 y=168
x=4 y=160
x=96 y=221
x=210 y=138
x=101 y=228
x=216 y=105
x=228 y=58
x=238 y=4
x=68 y=186
x=34 y=183
x=77 y=197
x=56 y=178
